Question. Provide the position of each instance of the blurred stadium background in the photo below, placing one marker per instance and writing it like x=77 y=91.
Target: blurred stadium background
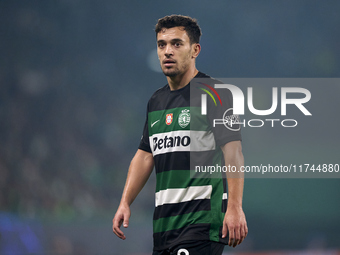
x=75 y=77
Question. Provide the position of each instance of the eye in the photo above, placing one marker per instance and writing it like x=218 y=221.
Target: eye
x=177 y=44
x=161 y=45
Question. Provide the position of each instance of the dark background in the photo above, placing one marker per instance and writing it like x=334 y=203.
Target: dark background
x=75 y=77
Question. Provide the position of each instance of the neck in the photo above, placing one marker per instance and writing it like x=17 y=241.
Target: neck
x=181 y=80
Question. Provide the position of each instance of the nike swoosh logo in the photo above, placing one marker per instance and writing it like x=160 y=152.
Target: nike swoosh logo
x=152 y=124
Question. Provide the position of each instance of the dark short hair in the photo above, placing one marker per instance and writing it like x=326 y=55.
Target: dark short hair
x=190 y=26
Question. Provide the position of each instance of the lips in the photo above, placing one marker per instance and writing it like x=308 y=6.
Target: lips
x=169 y=62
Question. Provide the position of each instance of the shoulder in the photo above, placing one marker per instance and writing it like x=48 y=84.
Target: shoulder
x=208 y=84
x=158 y=97
x=202 y=75
x=161 y=91
x=207 y=78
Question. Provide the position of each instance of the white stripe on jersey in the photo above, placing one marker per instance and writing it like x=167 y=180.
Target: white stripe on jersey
x=173 y=196
x=182 y=140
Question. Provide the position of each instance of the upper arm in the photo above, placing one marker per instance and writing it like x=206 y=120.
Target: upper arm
x=232 y=146
x=144 y=159
x=233 y=157
x=232 y=152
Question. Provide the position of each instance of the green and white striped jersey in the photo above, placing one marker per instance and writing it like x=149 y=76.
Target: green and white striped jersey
x=175 y=132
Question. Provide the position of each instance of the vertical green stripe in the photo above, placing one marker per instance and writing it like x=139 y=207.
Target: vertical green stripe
x=216 y=200
x=216 y=206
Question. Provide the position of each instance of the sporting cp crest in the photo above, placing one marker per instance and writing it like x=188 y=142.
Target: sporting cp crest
x=168 y=119
x=184 y=118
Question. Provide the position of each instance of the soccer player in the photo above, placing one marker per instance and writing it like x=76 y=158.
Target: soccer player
x=192 y=215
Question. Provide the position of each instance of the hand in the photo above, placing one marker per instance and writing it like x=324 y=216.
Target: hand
x=235 y=222
x=122 y=216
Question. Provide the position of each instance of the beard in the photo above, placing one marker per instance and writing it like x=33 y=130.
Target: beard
x=171 y=72
x=179 y=68
x=176 y=70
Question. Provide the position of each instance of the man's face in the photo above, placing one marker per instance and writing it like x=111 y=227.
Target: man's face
x=174 y=51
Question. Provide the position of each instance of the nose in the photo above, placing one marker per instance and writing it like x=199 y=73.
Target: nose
x=168 y=51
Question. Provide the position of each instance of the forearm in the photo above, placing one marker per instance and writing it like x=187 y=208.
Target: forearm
x=234 y=220
x=235 y=191
x=140 y=169
x=233 y=156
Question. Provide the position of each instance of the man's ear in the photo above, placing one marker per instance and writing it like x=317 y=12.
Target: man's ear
x=196 y=50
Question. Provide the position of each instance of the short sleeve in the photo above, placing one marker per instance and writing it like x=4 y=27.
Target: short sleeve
x=224 y=124
x=144 y=143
